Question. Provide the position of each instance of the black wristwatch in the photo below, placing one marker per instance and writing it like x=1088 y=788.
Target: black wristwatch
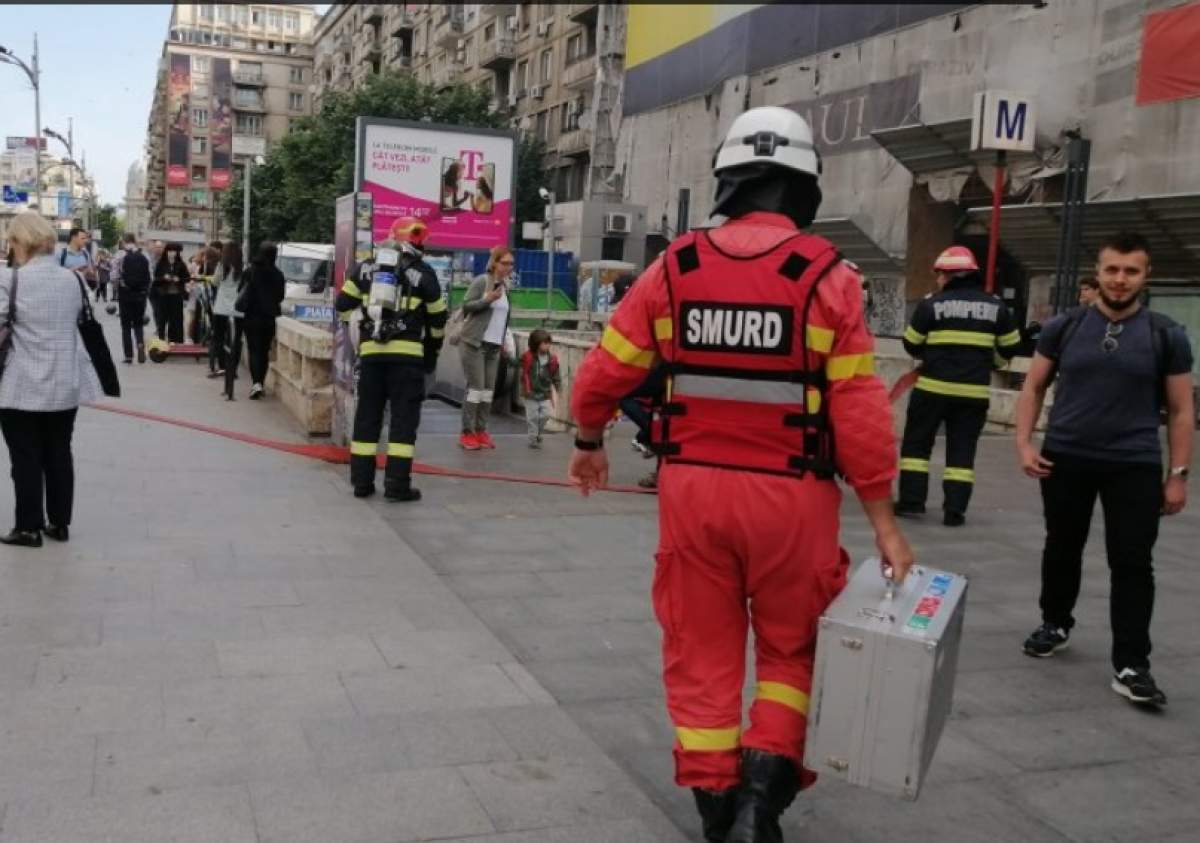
x=584 y=445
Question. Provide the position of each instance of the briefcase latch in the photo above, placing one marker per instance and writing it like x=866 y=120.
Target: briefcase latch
x=839 y=764
x=852 y=643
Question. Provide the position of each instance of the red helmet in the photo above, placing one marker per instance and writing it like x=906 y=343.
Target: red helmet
x=956 y=259
x=409 y=230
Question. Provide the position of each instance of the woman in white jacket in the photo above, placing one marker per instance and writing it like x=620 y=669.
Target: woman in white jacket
x=226 y=327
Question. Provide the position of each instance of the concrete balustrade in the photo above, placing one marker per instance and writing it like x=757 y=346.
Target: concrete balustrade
x=301 y=373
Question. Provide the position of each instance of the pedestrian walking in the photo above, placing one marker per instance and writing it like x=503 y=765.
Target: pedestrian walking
x=541 y=384
x=171 y=277
x=75 y=255
x=260 y=302
x=1089 y=291
x=227 y=284
x=485 y=322
x=103 y=275
x=132 y=270
x=155 y=297
x=400 y=336
x=959 y=334
x=47 y=375
x=1118 y=366
x=759 y=326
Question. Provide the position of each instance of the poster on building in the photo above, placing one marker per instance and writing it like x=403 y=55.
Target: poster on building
x=64 y=205
x=220 y=124
x=179 y=126
x=459 y=181
x=25 y=169
x=16 y=142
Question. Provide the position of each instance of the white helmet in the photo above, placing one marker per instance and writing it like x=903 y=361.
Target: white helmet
x=769 y=135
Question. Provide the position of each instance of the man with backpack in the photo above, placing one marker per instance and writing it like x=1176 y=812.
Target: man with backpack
x=1118 y=364
x=131 y=272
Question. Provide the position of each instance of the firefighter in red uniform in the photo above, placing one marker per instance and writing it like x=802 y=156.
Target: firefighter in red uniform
x=772 y=392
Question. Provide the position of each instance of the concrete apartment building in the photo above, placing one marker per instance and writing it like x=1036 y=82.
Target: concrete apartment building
x=68 y=194
x=554 y=70
x=231 y=80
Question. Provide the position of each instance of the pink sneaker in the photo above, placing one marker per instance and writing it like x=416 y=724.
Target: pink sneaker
x=469 y=441
x=485 y=440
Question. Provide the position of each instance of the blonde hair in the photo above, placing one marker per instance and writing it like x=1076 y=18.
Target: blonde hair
x=33 y=233
x=497 y=253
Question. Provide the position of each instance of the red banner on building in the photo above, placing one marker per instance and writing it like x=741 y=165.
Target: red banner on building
x=220 y=133
x=1170 y=66
x=179 y=127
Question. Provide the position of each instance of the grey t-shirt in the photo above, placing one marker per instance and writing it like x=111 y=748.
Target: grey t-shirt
x=1106 y=404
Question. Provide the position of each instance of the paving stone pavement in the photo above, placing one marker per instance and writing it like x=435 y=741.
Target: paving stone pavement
x=231 y=648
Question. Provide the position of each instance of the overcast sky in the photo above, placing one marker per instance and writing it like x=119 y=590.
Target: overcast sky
x=98 y=66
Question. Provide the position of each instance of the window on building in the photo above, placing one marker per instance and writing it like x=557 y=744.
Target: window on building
x=200 y=118
x=274 y=19
x=612 y=249
x=540 y=125
x=291 y=22
x=223 y=14
x=546 y=61
x=250 y=69
x=241 y=15
x=199 y=146
x=247 y=124
x=296 y=101
x=247 y=98
x=489 y=32
x=256 y=17
x=200 y=197
x=575 y=48
x=200 y=90
x=296 y=75
x=206 y=11
x=524 y=17
x=239 y=44
x=199 y=173
x=467 y=53
x=199 y=64
x=206 y=37
x=522 y=75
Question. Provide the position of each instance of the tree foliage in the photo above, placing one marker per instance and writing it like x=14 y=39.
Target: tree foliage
x=294 y=191
x=109 y=224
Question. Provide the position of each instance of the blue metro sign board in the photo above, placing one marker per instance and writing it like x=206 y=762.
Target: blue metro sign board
x=1003 y=120
x=12 y=197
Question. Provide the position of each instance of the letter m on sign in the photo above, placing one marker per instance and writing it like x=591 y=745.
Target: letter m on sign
x=1003 y=120
x=1010 y=128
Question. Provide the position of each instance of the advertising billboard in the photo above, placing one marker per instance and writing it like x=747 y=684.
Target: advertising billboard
x=25 y=169
x=14 y=142
x=220 y=124
x=179 y=128
x=458 y=180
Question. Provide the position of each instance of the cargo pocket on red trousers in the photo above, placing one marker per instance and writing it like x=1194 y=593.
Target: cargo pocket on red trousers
x=665 y=593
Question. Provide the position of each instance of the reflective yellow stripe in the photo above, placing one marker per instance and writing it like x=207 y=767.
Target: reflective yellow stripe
x=624 y=350
x=962 y=475
x=351 y=289
x=980 y=339
x=437 y=333
x=913 y=335
x=914 y=464
x=999 y=362
x=1011 y=338
x=438 y=306
x=346 y=315
x=954 y=390
x=793 y=698
x=708 y=740
x=400 y=449
x=820 y=339
x=814 y=400
x=413 y=349
x=362 y=449
x=843 y=366
x=664 y=329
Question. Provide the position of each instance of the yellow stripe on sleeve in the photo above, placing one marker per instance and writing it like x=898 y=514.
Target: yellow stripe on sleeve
x=625 y=351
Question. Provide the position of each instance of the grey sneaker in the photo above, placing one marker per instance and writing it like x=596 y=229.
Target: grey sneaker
x=1137 y=685
x=1045 y=641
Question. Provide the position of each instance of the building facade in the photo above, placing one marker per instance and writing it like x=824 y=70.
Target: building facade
x=553 y=70
x=231 y=80
x=68 y=194
x=137 y=215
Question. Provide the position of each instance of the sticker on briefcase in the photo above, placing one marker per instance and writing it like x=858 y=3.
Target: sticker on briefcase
x=929 y=604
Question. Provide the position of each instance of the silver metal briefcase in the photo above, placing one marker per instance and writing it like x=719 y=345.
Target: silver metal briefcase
x=883 y=680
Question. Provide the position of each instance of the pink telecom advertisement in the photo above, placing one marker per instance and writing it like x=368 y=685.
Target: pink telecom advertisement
x=458 y=180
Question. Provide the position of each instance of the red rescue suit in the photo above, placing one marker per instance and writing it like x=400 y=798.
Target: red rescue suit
x=772 y=390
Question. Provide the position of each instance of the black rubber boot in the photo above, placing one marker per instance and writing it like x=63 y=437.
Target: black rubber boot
x=769 y=784
x=717 y=808
x=404 y=494
x=364 y=491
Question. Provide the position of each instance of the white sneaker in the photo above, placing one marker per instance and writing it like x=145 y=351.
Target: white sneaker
x=256 y=391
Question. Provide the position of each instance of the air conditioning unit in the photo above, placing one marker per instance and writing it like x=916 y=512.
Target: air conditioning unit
x=512 y=23
x=617 y=223
x=537 y=91
x=543 y=28
x=512 y=99
x=462 y=44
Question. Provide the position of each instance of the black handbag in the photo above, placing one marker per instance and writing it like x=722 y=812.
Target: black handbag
x=6 y=336
x=92 y=333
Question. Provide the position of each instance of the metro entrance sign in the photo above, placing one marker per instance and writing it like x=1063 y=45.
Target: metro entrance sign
x=1001 y=121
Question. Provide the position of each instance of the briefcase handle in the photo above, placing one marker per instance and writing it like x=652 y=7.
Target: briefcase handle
x=888 y=574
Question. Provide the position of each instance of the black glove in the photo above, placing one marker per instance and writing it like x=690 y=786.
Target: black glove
x=430 y=364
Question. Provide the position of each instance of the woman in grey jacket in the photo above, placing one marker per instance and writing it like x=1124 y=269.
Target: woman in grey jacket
x=485 y=321
x=47 y=376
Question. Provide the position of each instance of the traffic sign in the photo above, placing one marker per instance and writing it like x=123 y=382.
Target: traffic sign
x=1003 y=120
x=11 y=197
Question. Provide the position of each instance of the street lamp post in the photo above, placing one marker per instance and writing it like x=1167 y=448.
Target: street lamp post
x=69 y=143
x=34 y=75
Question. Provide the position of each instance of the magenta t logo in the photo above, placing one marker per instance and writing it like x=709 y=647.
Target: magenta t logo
x=472 y=161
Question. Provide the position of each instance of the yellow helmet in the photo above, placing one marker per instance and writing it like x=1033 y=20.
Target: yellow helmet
x=158 y=349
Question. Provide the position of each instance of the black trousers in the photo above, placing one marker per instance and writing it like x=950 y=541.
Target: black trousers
x=260 y=332
x=653 y=387
x=380 y=383
x=157 y=311
x=217 y=340
x=1131 y=495
x=170 y=324
x=39 y=448
x=964 y=419
x=133 y=317
x=233 y=353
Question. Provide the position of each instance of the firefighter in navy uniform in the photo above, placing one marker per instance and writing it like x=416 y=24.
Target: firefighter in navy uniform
x=960 y=333
x=771 y=392
x=400 y=335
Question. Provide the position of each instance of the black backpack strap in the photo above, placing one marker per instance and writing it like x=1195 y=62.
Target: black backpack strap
x=1161 y=326
x=1073 y=320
